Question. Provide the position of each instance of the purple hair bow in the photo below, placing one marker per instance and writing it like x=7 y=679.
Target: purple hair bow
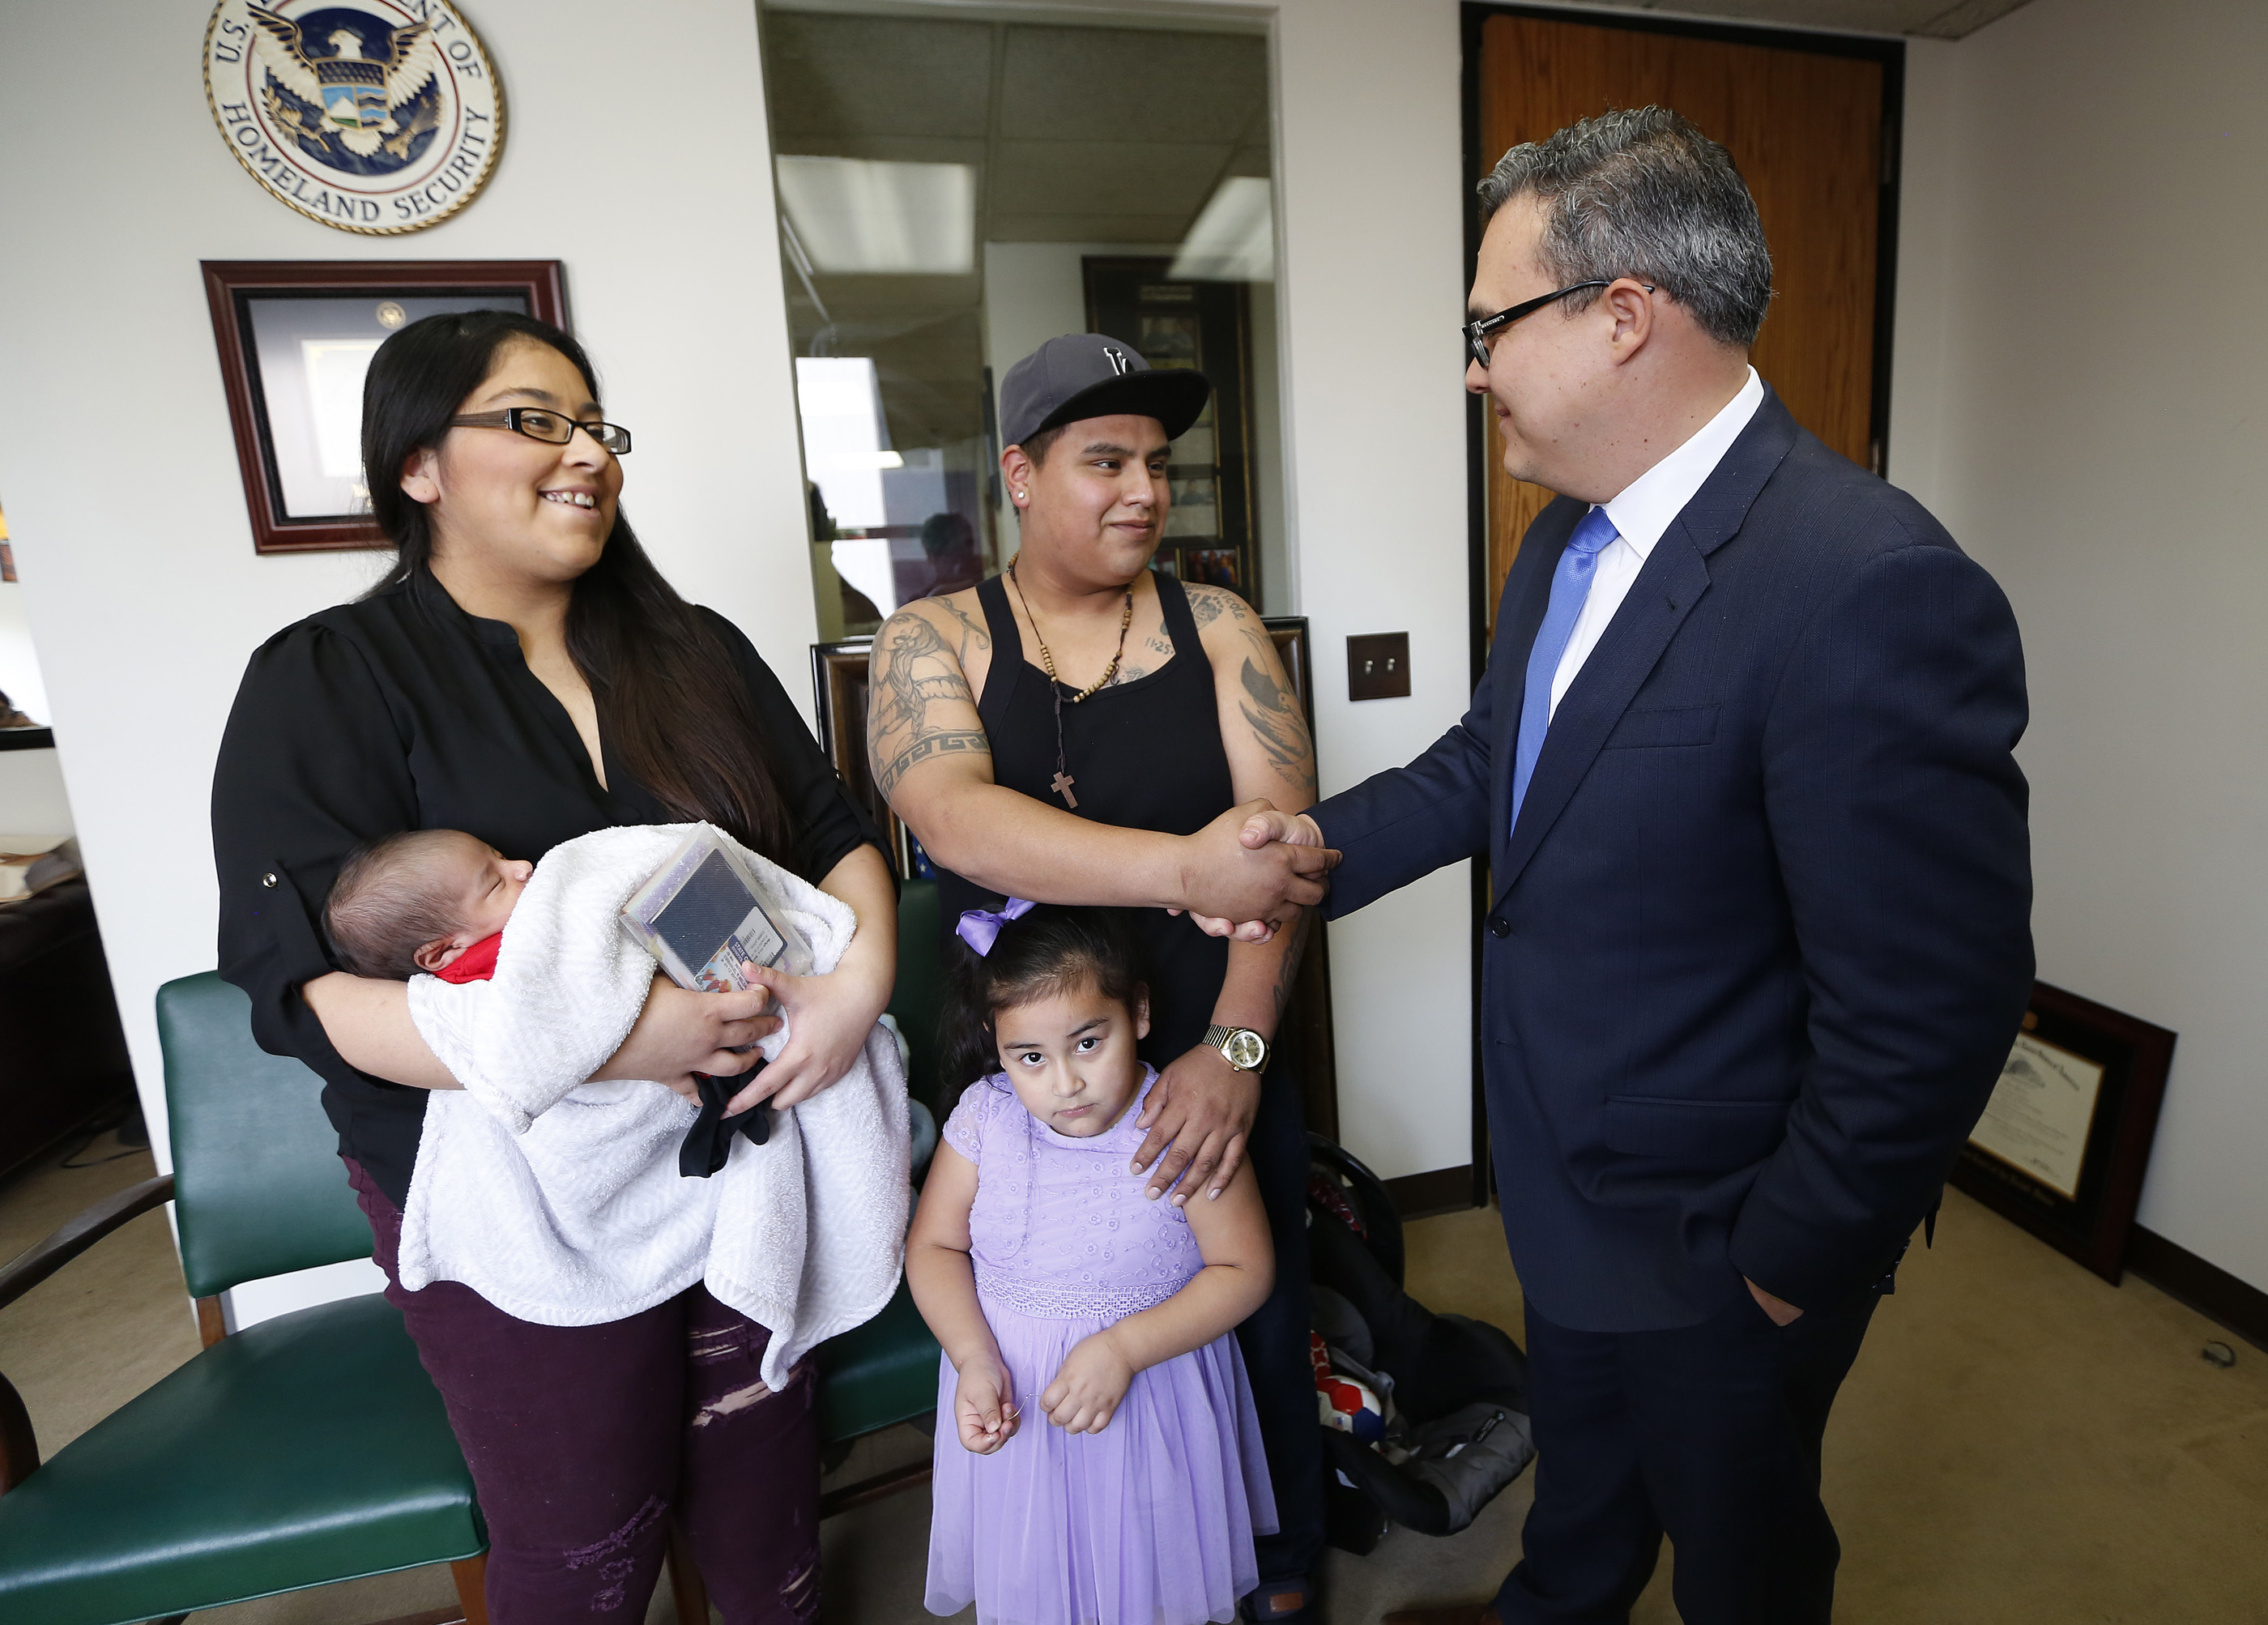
x=980 y=928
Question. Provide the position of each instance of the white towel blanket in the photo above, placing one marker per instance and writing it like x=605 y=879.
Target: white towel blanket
x=559 y=1200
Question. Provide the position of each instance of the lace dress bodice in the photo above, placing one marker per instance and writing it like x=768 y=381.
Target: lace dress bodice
x=1060 y=1229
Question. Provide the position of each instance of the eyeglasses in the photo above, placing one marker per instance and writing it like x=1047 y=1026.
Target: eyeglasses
x=553 y=428
x=1478 y=332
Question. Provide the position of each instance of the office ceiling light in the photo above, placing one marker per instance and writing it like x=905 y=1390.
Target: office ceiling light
x=858 y=215
x=1234 y=238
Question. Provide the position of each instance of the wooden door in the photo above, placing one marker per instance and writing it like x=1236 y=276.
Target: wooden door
x=1806 y=130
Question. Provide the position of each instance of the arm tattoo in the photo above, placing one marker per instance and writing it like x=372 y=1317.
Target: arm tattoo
x=973 y=635
x=1274 y=714
x=913 y=673
x=1205 y=605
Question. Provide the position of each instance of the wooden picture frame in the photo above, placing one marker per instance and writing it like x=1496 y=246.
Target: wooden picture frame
x=1304 y=1039
x=293 y=343
x=2064 y=1146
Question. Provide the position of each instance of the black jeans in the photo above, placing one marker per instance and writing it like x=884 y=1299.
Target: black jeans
x=1275 y=1339
x=1709 y=1433
x=585 y=1441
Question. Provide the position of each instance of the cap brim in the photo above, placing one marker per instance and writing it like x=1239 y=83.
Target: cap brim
x=1175 y=396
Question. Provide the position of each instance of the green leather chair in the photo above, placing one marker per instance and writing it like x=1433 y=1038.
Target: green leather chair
x=305 y=1450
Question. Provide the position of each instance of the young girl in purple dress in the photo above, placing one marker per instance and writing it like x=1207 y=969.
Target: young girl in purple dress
x=1103 y=1465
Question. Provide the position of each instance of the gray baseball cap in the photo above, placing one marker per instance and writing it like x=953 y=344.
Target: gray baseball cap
x=1083 y=375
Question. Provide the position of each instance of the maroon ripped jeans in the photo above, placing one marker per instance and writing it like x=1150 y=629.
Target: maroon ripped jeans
x=585 y=1441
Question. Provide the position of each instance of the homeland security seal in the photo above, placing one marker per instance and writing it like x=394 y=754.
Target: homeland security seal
x=377 y=116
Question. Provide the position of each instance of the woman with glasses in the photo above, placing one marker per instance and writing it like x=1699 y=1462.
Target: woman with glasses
x=524 y=673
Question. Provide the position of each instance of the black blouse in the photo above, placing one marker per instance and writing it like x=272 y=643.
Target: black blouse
x=402 y=711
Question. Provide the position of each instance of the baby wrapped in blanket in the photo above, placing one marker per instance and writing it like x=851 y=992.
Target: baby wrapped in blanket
x=559 y=1200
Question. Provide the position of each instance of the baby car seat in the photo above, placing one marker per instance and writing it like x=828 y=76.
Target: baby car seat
x=1424 y=1415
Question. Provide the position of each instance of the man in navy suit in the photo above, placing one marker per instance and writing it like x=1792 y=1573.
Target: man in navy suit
x=1740 y=768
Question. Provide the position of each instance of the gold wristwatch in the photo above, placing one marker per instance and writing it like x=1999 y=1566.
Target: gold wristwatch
x=1245 y=1050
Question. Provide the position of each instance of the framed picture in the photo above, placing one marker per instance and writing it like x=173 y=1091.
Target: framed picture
x=295 y=339
x=2066 y=1139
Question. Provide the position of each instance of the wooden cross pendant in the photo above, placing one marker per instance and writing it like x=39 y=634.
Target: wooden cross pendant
x=1061 y=787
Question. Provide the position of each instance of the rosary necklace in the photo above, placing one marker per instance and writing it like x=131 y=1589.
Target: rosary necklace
x=1062 y=779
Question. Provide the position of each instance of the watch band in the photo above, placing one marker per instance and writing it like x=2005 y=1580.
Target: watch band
x=1225 y=1039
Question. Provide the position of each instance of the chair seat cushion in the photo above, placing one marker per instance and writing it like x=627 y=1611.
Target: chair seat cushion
x=884 y=1372
x=306 y=1449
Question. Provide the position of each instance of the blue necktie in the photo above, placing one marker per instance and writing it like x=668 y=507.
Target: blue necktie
x=1570 y=585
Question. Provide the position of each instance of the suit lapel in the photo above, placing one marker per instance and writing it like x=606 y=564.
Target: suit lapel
x=1675 y=575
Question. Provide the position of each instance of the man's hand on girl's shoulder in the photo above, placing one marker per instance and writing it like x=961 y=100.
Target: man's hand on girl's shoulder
x=1199 y=1116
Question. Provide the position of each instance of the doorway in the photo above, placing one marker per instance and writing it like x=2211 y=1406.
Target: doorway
x=1812 y=121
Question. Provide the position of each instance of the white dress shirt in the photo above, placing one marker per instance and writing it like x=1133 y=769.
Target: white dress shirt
x=1640 y=514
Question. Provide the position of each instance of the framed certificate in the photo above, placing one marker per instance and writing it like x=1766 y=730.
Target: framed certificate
x=295 y=339
x=2065 y=1138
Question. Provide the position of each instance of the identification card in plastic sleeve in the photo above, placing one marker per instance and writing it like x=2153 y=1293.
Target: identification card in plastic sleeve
x=705 y=912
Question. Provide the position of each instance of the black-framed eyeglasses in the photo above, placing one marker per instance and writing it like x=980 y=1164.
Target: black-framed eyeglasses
x=553 y=428
x=1477 y=333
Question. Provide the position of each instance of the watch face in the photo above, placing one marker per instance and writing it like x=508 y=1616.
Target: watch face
x=1245 y=1049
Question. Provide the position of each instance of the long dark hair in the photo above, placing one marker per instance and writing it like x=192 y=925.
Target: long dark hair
x=663 y=682
x=1047 y=951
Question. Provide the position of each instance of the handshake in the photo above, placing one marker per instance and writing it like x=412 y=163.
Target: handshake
x=1242 y=872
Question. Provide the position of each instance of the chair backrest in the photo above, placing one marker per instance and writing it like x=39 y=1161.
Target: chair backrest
x=920 y=992
x=258 y=1187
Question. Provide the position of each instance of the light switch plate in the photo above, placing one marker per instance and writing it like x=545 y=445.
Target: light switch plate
x=1378 y=667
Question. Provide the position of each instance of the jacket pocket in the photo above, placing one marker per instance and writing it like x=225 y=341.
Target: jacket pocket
x=1720 y=1133
x=1683 y=724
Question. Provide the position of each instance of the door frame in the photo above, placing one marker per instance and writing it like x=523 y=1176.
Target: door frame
x=1890 y=53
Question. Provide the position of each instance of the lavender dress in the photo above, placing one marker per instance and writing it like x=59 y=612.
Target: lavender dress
x=1149 y=1522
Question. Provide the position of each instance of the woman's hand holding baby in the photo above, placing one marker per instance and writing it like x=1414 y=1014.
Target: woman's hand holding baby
x=985 y=1406
x=828 y=1021
x=1090 y=1385
x=681 y=1033
x=830 y=1015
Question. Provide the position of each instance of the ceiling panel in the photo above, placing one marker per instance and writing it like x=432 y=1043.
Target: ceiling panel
x=1127 y=85
x=876 y=75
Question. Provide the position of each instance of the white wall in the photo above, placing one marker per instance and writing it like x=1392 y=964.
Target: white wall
x=1371 y=212
x=32 y=798
x=133 y=545
x=2081 y=354
x=19 y=661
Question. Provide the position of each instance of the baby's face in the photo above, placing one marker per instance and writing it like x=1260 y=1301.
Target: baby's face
x=1071 y=1057
x=487 y=885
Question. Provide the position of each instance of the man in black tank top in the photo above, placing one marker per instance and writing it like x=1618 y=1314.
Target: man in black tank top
x=1083 y=730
